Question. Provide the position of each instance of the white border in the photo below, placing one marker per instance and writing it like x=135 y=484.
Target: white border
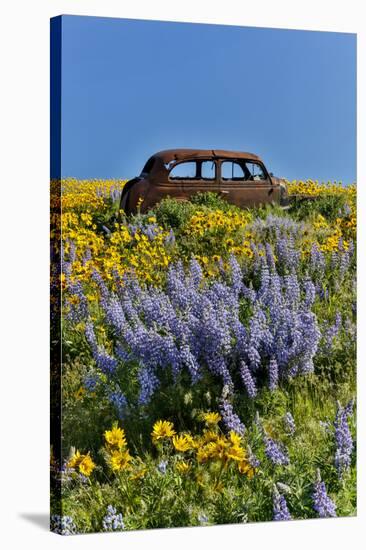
x=24 y=170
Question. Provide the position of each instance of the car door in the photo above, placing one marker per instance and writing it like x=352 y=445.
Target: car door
x=195 y=176
x=246 y=183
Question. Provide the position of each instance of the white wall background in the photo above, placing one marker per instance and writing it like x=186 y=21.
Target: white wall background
x=24 y=172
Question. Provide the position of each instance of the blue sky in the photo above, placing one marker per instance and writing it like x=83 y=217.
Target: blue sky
x=131 y=88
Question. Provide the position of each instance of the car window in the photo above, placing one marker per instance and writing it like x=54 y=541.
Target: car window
x=256 y=171
x=231 y=171
x=208 y=170
x=184 y=170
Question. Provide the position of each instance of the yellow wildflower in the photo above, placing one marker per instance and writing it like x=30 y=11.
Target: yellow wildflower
x=162 y=429
x=235 y=438
x=79 y=394
x=181 y=443
x=208 y=436
x=245 y=468
x=75 y=460
x=86 y=465
x=183 y=467
x=211 y=418
x=236 y=453
x=115 y=437
x=120 y=460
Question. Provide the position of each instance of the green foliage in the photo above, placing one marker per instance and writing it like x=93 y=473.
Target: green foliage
x=329 y=206
x=174 y=214
x=213 y=201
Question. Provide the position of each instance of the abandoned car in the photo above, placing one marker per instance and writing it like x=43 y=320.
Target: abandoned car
x=240 y=178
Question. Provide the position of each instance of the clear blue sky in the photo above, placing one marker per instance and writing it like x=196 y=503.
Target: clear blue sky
x=131 y=88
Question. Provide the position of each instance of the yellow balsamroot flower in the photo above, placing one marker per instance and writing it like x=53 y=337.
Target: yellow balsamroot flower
x=202 y=455
x=120 y=460
x=74 y=460
x=115 y=437
x=236 y=453
x=80 y=393
x=208 y=436
x=245 y=468
x=87 y=193
x=86 y=465
x=183 y=467
x=211 y=418
x=162 y=429
x=215 y=450
x=320 y=222
x=193 y=442
x=235 y=438
x=181 y=443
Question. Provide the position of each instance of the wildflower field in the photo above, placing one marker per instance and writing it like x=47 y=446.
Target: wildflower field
x=208 y=360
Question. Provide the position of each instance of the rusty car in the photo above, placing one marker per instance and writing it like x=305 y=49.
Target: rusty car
x=240 y=178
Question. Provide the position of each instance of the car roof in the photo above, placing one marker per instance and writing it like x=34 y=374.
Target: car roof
x=183 y=154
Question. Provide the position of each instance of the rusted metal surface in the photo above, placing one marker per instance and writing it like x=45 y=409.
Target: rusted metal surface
x=241 y=178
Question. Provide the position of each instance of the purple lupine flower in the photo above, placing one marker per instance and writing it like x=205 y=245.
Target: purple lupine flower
x=289 y=423
x=310 y=292
x=248 y=380
x=62 y=525
x=170 y=238
x=322 y=503
x=348 y=409
x=162 y=466
x=91 y=381
x=288 y=256
x=280 y=509
x=253 y=460
x=105 y=362
x=194 y=325
x=113 y=521
x=72 y=251
x=275 y=452
x=270 y=257
x=119 y=401
x=343 y=438
x=148 y=384
x=330 y=333
x=195 y=272
x=90 y=335
x=189 y=360
x=292 y=290
x=273 y=374
x=87 y=256
x=236 y=275
x=77 y=303
x=317 y=261
x=203 y=519
x=230 y=418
